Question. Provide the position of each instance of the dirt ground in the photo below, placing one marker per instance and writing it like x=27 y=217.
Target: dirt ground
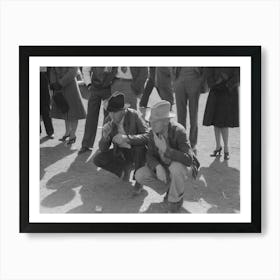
x=71 y=183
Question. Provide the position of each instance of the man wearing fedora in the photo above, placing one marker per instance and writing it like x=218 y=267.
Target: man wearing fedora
x=170 y=160
x=127 y=131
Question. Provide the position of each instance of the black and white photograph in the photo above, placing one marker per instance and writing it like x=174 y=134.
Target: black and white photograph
x=139 y=140
x=140 y=143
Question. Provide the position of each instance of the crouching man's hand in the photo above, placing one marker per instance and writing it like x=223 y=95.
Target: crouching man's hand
x=120 y=139
x=161 y=173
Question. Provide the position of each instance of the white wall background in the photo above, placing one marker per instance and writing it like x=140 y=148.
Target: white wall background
x=139 y=256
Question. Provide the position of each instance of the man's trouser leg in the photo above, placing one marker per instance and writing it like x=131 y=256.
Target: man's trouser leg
x=111 y=162
x=91 y=120
x=181 y=102
x=147 y=91
x=45 y=104
x=166 y=94
x=145 y=176
x=179 y=174
x=45 y=112
x=139 y=157
x=193 y=108
x=124 y=86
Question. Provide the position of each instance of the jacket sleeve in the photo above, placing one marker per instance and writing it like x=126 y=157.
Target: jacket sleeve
x=69 y=76
x=151 y=158
x=138 y=83
x=184 y=153
x=141 y=138
x=234 y=79
x=105 y=143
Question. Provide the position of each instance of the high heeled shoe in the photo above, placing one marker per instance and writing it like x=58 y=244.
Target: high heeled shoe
x=71 y=140
x=226 y=156
x=63 y=138
x=216 y=153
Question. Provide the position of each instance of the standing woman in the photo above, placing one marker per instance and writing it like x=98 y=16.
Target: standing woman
x=63 y=80
x=222 y=108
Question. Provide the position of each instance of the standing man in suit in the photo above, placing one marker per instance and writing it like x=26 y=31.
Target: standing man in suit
x=130 y=81
x=98 y=80
x=188 y=85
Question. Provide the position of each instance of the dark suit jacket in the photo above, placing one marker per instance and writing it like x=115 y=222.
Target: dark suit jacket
x=179 y=149
x=101 y=79
x=139 y=77
x=134 y=127
x=163 y=78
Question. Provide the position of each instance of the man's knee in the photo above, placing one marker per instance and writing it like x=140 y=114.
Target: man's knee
x=177 y=168
x=99 y=160
x=141 y=174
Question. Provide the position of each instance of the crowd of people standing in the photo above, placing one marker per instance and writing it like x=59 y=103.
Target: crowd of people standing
x=134 y=137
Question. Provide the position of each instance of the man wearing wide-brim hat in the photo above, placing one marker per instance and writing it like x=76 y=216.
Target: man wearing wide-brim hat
x=128 y=132
x=170 y=159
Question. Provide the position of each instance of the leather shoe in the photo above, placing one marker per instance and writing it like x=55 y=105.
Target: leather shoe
x=137 y=189
x=174 y=207
x=84 y=150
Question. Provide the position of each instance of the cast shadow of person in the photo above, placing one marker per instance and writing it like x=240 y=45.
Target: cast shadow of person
x=50 y=155
x=88 y=189
x=216 y=190
x=44 y=139
x=219 y=186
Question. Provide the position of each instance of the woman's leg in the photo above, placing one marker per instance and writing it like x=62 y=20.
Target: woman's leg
x=73 y=128
x=217 y=131
x=225 y=133
x=67 y=128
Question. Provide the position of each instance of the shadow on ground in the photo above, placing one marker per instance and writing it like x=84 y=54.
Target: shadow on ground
x=50 y=155
x=218 y=187
x=98 y=190
x=215 y=191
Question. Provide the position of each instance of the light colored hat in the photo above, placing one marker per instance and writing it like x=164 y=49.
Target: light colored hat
x=161 y=110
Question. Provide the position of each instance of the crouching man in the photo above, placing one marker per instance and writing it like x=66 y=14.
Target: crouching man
x=129 y=134
x=170 y=160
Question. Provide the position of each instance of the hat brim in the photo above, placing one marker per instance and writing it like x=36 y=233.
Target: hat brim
x=126 y=105
x=169 y=116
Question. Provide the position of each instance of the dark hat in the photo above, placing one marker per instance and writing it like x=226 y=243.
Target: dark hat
x=116 y=102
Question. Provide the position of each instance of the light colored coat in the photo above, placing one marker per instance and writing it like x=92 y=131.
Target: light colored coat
x=66 y=77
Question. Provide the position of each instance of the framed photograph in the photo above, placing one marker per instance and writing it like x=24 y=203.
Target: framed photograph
x=169 y=143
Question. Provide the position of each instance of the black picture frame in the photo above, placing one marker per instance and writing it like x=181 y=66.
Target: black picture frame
x=25 y=52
